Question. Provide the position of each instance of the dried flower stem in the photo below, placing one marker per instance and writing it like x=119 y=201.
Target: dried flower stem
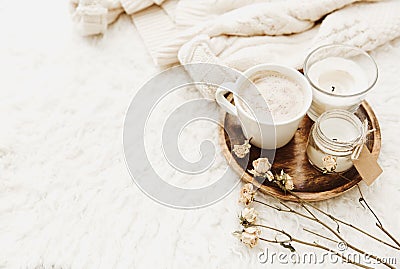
x=351 y=226
x=354 y=227
x=315 y=219
x=378 y=224
x=290 y=210
x=388 y=234
x=337 y=221
x=344 y=258
x=322 y=236
x=287 y=210
x=311 y=244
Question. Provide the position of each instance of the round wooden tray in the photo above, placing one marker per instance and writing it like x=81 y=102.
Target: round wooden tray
x=310 y=184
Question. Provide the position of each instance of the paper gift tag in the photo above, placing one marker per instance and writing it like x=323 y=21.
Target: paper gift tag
x=367 y=166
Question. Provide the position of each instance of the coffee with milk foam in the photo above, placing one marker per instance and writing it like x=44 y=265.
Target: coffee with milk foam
x=276 y=94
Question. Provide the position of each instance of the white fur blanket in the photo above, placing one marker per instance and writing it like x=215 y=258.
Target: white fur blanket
x=66 y=198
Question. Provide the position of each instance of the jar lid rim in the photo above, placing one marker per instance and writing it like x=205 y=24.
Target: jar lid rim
x=343 y=114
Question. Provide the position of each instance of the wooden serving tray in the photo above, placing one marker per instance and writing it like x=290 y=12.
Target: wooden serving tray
x=310 y=184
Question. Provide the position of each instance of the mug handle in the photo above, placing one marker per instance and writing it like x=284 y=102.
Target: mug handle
x=221 y=100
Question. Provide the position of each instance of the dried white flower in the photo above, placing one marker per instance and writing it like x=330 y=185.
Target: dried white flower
x=285 y=181
x=283 y=176
x=249 y=236
x=237 y=234
x=248 y=216
x=247 y=194
x=289 y=184
x=330 y=163
x=262 y=165
x=270 y=176
x=242 y=150
x=261 y=168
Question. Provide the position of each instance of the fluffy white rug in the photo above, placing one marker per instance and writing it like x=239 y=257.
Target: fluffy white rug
x=66 y=198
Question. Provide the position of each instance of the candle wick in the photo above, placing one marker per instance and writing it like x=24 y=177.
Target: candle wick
x=334 y=139
x=333 y=88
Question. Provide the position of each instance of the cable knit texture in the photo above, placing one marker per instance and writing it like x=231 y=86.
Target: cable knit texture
x=241 y=34
x=190 y=13
x=365 y=25
x=254 y=19
x=245 y=32
x=132 y=6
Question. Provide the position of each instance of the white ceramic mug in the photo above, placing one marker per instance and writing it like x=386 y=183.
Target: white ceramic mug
x=266 y=134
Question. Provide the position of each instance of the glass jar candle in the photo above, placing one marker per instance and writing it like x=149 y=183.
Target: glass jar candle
x=334 y=136
x=340 y=76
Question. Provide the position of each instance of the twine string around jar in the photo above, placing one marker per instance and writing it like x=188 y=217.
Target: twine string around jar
x=358 y=148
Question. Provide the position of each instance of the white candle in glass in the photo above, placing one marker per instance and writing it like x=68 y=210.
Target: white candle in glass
x=335 y=133
x=340 y=76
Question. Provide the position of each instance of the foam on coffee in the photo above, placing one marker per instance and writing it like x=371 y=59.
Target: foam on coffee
x=282 y=96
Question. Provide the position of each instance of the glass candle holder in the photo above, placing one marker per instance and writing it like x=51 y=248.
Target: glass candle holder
x=341 y=76
x=333 y=137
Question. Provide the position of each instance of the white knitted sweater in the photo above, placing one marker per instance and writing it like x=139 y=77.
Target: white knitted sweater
x=242 y=33
x=365 y=25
